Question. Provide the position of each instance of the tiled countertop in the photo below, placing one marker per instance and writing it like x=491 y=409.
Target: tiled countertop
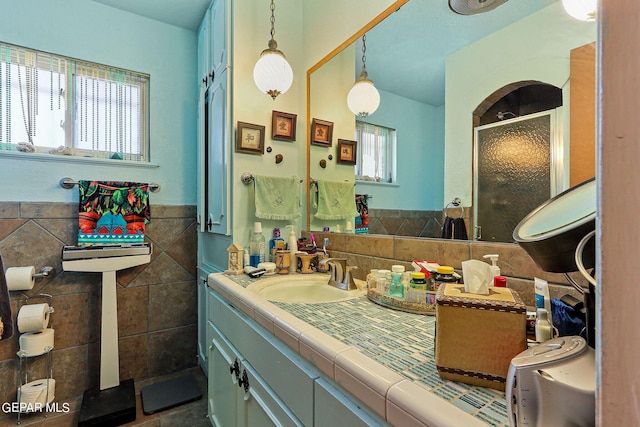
x=382 y=356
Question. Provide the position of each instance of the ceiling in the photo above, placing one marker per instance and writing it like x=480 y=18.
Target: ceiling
x=405 y=53
x=412 y=44
x=182 y=13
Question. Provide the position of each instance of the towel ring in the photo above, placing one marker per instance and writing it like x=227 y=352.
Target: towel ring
x=455 y=203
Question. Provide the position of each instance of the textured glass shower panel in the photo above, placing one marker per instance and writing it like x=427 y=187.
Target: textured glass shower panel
x=513 y=174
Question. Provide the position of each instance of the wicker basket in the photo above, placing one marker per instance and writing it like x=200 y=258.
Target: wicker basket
x=478 y=335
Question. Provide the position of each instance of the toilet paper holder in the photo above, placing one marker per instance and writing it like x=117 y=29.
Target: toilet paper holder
x=44 y=273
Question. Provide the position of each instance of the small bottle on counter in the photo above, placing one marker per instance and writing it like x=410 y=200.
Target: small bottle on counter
x=396 y=288
x=371 y=278
x=381 y=281
x=417 y=287
x=256 y=245
x=444 y=275
x=275 y=244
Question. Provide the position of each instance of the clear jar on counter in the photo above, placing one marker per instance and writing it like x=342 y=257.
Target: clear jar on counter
x=371 y=278
x=383 y=280
x=417 y=288
x=444 y=275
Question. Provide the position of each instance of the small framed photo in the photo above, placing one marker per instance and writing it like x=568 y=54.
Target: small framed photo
x=283 y=126
x=321 y=132
x=250 y=138
x=347 y=152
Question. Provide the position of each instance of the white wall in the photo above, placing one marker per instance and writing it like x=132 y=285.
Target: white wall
x=535 y=48
x=94 y=32
x=305 y=32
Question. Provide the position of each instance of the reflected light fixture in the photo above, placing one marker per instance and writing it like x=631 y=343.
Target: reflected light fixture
x=272 y=73
x=363 y=98
x=584 y=10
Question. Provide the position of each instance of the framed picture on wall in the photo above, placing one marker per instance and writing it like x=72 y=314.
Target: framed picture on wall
x=250 y=138
x=283 y=126
x=321 y=132
x=347 y=152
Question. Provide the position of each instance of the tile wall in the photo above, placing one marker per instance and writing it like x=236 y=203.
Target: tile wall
x=380 y=252
x=411 y=223
x=157 y=302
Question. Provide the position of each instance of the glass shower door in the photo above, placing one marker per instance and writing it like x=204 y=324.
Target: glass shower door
x=515 y=163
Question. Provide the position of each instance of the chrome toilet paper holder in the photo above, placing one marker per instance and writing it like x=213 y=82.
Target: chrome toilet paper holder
x=45 y=272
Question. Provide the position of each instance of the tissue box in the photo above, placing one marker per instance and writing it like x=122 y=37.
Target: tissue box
x=478 y=335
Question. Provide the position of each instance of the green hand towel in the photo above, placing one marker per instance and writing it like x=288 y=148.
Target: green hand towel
x=336 y=200
x=277 y=197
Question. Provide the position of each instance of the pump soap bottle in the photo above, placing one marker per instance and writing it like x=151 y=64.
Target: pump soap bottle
x=293 y=248
x=494 y=263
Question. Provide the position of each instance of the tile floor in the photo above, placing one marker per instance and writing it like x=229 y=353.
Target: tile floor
x=193 y=414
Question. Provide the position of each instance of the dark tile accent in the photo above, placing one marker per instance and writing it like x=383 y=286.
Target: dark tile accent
x=165 y=231
x=69 y=320
x=133 y=311
x=172 y=350
x=48 y=210
x=172 y=305
x=184 y=249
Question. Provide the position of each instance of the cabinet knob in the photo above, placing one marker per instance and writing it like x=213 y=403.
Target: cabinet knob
x=212 y=75
x=204 y=80
x=244 y=382
x=235 y=368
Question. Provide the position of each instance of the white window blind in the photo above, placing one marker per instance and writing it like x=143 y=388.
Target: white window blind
x=375 y=160
x=56 y=104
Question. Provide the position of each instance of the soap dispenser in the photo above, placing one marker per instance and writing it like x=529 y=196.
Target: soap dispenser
x=494 y=263
x=293 y=248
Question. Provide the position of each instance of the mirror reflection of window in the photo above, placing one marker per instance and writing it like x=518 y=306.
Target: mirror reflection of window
x=375 y=155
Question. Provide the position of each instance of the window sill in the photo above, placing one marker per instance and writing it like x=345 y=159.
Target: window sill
x=43 y=157
x=377 y=184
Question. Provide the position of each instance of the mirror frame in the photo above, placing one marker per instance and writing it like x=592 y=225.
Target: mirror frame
x=382 y=16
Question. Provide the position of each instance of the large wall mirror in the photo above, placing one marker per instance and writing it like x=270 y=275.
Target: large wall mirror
x=457 y=91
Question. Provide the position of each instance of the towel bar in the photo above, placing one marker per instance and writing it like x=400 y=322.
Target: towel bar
x=247 y=178
x=69 y=183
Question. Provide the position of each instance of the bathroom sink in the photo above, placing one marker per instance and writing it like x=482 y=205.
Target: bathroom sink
x=302 y=288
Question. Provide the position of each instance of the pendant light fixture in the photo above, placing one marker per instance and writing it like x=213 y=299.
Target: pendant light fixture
x=363 y=98
x=272 y=73
x=584 y=10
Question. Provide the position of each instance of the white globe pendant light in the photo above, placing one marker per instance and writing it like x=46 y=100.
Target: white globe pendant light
x=272 y=73
x=584 y=10
x=363 y=98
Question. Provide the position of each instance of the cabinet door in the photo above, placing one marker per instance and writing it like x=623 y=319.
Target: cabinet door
x=217 y=157
x=260 y=406
x=203 y=339
x=223 y=391
x=218 y=33
x=204 y=50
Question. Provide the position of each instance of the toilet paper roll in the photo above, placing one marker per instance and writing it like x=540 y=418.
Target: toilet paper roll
x=20 y=278
x=33 y=317
x=36 y=343
x=36 y=392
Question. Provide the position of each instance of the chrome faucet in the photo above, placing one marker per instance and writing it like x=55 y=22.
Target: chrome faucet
x=341 y=276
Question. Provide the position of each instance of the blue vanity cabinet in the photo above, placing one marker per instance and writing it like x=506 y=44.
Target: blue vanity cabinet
x=203 y=311
x=284 y=388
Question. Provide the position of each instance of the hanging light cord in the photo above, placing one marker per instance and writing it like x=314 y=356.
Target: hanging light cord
x=364 y=51
x=273 y=19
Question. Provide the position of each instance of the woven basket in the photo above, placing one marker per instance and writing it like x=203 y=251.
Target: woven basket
x=478 y=335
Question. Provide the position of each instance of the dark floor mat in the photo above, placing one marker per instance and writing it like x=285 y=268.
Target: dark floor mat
x=168 y=394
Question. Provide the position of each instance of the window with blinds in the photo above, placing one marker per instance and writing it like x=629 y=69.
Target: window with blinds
x=59 y=105
x=376 y=151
